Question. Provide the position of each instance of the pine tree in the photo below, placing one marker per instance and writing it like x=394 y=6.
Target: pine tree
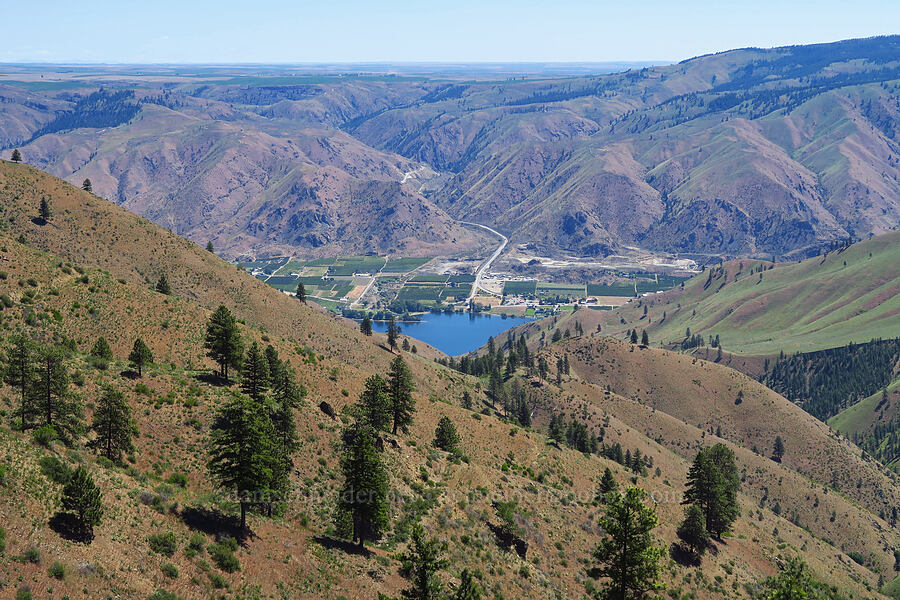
x=50 y=389
x=778 y=449
x=101 y=349
x=162 y=285
x=393 y=332
x=255 y=373
x=693 y=530
x=113 y=426
x=16 y=156
x=795 y=582
x=362 y=508
x=223 y=341
x=712 y=485
x=468 y=588
x=287 y=396
x=375 y=403
x=466 y=400
x=210 y=248
x=627 y=555
x=81 y=496
x=140 y=356
x=400 y=389
x=445 y=436
x=301 y=292
x=634 y=338
x=405 y=344
x=241 y=453
x=87 y=186
x=420 y=565
x=645 y=339
x=273 y=361
x=607 y=484
x=18 y=372
x=366 y=326
x=45 y=211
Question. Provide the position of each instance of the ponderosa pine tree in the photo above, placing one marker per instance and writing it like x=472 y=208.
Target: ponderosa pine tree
x=693 y=530
x=393 y=332
x=140 y=356
x=468 y=588
x=445 y=435
x=712 y=484
x=795 y=582
x=365 y=326
x=607 y=484
x=87 y=186
x=82 y=497
x=400 y=389
x=375 y=403
x=18 y=372
x=45 y=211
x=163 y=286
x=223 y=341
x=362 y=505
x=16 y=156
x=50 y=389
x=627 y=555
x=255 y=373
x=420 y=565
x=210 y=248
x=634 y=338
x=101 y=349
x=301 y=292
x=242 y=456
x=286 y=396
x=645 y=339
x=778 y=449
x=466 y=400
x=113 y=425
x=274 y=362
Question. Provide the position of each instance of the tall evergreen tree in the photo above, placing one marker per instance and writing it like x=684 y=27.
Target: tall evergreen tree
x=400 y=389
x=366 y=326
x=645 y=339
x=362 y=507
x=627 y=555
x=18 y=372
x=287 y=396
x=255 y=373
x=375 y=403
x=795 y=582
x=634 y=338
x=140 y=356
x=241 y=454
x=607 y=484
x=445 y=435
x=51 y=397
x=223 y=341
x=778 y=449
x=210 y=248
x=16 y=156
x=82 y=497
x=113 y=425
x=301 y=292
x=712 y=485
x=693 y=529
x=420 y=565
x=273 y=361
x=87 y=186
x=393 y=333
x=45 y=211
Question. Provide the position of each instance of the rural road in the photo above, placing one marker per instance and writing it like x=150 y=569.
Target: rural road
x=486 y=264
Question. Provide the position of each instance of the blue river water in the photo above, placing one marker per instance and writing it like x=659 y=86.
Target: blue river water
x=457 y=333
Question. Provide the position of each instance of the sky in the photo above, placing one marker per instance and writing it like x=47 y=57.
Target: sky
x=296 y=31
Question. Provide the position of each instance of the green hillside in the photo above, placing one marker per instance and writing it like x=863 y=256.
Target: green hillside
x=757 y=308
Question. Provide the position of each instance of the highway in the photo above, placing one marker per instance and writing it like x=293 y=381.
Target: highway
x=486 y=264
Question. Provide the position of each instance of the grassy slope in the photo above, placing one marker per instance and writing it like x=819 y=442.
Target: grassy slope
x=796 y=307
x=862 y=416
x=557 y=514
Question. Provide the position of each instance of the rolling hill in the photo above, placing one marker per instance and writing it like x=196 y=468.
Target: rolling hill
x=91 y=269
x=746 y=153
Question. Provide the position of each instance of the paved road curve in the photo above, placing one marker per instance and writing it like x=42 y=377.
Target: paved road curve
x=486 y=264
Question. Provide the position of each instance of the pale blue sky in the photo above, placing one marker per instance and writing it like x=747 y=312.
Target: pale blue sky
x=428 y=30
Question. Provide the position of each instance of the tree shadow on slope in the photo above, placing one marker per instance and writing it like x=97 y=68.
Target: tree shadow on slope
x=343 y=545
x=67 y=526
x=214 y=522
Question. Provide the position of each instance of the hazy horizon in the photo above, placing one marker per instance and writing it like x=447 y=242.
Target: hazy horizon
x=274 y=32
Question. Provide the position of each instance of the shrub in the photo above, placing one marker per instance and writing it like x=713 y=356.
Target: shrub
x=170 y=570
x=217 y=581
x=179 y=479
x=162 y=594
x=57 y=570
x=55 y=470
x=24 y=593
x=195 y=545
x=163 y=543
x=45 y=435
x=222 y=555
x=2 y=474
x=2 y=540
x=32 y=555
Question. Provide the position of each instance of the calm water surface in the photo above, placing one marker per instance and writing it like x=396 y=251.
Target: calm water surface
x=456 y=333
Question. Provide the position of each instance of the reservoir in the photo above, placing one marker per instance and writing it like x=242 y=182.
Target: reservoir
x=457 y=333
